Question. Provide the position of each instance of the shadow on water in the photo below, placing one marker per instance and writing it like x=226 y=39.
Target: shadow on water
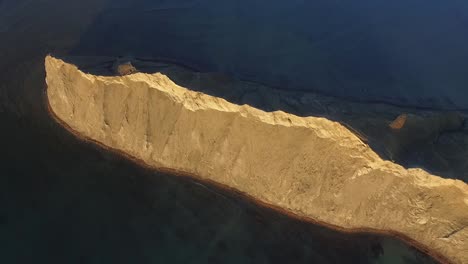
x=345 y=55
x=396 y=52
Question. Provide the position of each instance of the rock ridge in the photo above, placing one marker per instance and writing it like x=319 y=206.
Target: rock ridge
x=309 y=166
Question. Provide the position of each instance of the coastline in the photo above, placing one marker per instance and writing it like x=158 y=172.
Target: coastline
x=390 y=102
x=249 y=198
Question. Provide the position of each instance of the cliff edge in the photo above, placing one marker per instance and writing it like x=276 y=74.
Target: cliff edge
x=309 y=166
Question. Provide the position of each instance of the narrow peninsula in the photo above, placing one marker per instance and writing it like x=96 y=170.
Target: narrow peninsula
x=311 y=167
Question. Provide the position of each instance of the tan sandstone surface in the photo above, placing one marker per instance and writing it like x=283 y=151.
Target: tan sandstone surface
x=309 y=166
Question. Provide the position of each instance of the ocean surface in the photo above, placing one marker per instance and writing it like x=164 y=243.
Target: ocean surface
x=66 y=201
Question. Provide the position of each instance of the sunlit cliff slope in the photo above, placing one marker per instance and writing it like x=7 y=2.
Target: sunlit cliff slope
x=309 y=166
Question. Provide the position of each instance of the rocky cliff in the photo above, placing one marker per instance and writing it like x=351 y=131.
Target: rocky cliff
x=309 y=166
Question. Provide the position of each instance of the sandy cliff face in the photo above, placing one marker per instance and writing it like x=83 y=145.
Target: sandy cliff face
x=310 y=166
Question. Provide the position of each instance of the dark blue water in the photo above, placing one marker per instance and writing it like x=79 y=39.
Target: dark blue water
x=64 y=201
x=407 y=52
